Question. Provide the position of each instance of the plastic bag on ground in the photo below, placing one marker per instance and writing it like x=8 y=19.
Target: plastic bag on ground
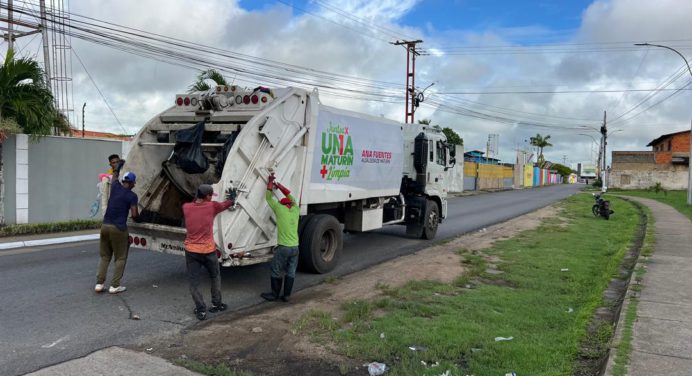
x=376 y=369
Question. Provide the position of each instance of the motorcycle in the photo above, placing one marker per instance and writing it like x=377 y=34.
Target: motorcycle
x=601 y=207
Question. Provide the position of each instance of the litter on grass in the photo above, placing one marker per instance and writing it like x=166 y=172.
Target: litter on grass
x=417 y=348
x=570 y=310
x=499 y=339
x=376 y=369
x=564 y=270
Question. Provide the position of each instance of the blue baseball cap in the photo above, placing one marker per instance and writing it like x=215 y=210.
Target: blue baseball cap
x=130 y=177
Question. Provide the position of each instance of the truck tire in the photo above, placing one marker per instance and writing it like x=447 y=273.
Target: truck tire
x=321 y=244
x=432 y=220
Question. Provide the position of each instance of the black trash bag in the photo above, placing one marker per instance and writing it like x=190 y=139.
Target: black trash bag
x=224 y=153
x=187 y=152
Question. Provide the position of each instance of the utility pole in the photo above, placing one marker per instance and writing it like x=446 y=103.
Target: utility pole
x=83 y=119
x=604 y=143
x=411 y=98
x=41 y=27
x=564 y=160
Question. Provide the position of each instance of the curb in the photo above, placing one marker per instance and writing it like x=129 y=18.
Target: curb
x=49 y=241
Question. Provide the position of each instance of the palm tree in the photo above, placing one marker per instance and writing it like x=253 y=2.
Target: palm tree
x=209 y=74
x=26 y=105
x=540 y=142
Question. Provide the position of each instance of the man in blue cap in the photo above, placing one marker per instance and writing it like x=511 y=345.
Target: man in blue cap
x=114 y=235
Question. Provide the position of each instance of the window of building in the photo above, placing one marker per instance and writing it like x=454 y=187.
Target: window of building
x=670 y=145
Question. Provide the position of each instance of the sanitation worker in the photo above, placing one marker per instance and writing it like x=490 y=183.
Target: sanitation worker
x=114 y=236
x=285 y=260
x=200 y=248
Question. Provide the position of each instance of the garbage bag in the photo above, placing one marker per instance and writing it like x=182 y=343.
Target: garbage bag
x=223 y=153
x=188 y=152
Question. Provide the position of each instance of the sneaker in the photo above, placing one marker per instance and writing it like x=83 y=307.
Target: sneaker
x=200 y=314
x=115 y=290
x=219 y=308
x=99 y=287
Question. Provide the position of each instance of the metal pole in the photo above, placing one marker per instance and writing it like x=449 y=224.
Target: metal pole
x=689 y=161
x=44 y=34
x=10 y=25
x=83 y=119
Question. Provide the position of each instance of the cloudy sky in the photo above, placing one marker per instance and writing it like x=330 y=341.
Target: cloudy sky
x=514 y=68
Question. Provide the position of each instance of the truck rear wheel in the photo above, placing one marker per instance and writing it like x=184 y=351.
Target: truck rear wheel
x=320 y=244
x=432 y=219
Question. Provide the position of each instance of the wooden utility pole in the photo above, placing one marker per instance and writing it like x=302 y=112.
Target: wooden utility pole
x=411 y=54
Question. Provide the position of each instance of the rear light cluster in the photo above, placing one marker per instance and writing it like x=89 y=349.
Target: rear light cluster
x=251 y=99
x=137 y=241
x=225 y=88
x=186 y=101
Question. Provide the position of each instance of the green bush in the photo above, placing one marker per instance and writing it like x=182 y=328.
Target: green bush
x=42 y=228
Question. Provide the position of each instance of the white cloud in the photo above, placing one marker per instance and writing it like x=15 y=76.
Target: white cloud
x=138 y=88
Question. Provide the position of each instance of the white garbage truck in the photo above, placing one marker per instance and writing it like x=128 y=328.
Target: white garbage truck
x=349 y=171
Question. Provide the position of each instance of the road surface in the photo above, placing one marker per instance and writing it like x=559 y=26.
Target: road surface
x=50 y=314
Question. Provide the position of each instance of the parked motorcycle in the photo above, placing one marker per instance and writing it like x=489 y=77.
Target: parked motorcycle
x=601 y=207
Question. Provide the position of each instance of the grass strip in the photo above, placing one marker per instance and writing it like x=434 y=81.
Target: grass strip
x=676 y=199
x=42 y=228
x=541 y=293
x=624 y=346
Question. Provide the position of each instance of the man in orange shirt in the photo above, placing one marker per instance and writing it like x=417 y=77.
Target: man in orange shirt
x=200 y=248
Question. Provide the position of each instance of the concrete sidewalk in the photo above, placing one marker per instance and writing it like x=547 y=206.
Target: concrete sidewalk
x=116 y=361
x=35 y=240
x=662 y=332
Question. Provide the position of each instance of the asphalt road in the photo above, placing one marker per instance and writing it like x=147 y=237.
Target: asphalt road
x=50 y=314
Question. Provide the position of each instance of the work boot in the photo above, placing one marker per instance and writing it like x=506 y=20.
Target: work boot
x=288 y=287
x=276 y=290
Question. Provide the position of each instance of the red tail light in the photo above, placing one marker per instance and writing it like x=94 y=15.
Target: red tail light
x=187 y=101
x=264 y=99
x=246 y=99
x=255 y=99
x=136 y=240
x=179 y=101
x=129 y=239
x=143 y=242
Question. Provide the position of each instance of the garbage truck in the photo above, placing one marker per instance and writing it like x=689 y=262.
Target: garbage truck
x=350 y=172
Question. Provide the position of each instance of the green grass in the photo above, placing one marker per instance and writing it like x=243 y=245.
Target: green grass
x=210 y=369
x=41 y=228
x=529 y=301
x=676 y=199
x=624 y=346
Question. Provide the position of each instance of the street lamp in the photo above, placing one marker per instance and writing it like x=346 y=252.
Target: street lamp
x=689 y=161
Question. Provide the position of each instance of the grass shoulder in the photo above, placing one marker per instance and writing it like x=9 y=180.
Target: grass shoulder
x=522 y=306
x=676 y=199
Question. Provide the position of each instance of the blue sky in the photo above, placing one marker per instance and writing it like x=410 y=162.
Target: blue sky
x=561 y=17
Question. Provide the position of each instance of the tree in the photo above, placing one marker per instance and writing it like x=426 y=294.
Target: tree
x=26 y=105
x=562 y=170
x=209 y=74
x=453 y=137
x=540 y=142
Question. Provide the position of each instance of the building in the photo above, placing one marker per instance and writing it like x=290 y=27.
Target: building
x=667 y=163
x=477 y=156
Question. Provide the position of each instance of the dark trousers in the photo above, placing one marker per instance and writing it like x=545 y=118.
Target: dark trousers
x=284 y=262
x=113 y=244
x=196 y=263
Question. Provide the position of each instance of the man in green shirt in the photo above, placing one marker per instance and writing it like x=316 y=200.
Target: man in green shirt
x=285 y=260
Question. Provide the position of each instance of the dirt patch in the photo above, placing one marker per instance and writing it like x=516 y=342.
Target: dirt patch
x=263 y=339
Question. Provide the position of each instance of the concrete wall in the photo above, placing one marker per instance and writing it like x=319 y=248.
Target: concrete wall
x=640 y=170
x=9 y=167
x=53 y=179
x=456 y=184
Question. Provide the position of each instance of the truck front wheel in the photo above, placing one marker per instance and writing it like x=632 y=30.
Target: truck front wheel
x=320 y=244
x=432 y=219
